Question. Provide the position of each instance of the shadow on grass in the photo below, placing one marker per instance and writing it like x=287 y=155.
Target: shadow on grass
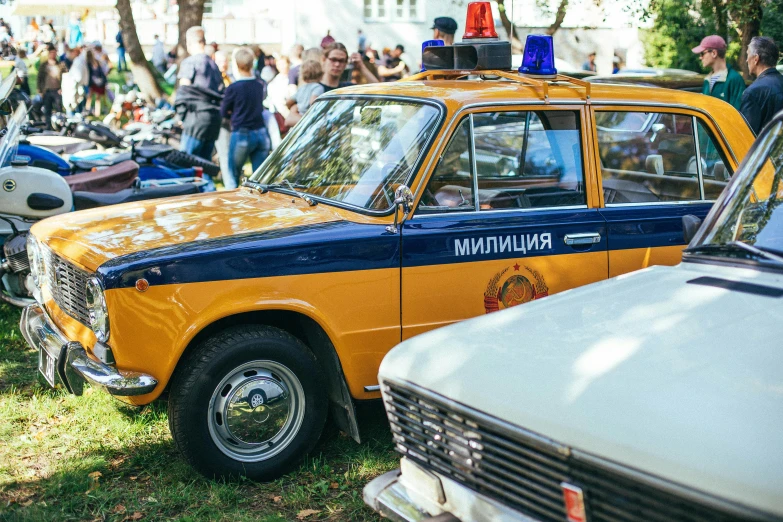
x=151 y=481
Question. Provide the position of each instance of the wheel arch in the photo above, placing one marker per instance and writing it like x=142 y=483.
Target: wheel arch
x=314 y=336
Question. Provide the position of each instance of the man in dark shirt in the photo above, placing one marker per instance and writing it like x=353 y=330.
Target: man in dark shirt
x=764 y=98
x=200 y=71
x=242 y=103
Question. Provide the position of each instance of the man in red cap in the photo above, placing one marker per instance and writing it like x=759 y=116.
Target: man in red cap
x=723 y=82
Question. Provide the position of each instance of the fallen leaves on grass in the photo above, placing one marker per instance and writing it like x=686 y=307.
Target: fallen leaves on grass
x=277 y=499
x=306 y=513
x=135 y=516
x=119 y=509
x=334 y=485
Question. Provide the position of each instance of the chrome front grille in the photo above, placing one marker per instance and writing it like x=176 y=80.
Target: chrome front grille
x=66 y=283
x=525 y=471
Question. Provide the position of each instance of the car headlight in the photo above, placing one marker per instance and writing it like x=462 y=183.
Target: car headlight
x=35 y=256
x=96 y=307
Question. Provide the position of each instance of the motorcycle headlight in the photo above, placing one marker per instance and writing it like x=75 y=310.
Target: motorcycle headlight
x=35 y=256
x=96 y=307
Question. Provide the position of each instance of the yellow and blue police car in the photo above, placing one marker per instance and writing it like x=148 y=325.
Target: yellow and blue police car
x=390 y=210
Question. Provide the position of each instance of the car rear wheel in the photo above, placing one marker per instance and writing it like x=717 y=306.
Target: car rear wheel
x=248 y=401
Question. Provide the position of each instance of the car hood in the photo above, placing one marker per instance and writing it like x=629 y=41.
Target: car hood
x=679 y=380
x=92 y=237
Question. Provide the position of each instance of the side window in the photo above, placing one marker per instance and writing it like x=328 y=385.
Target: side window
x=716 y=171
x=647 y=157
x=522 y=160
x=451 y=185
x=528 y=159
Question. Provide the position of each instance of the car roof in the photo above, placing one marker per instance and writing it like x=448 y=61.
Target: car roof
x=456 y=94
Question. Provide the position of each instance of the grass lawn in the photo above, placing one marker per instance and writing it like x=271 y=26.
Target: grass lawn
x=92 y=458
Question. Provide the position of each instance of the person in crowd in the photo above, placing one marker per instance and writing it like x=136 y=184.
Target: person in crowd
x=361 y=41
x=616 y=63
x=101 y=56
x=210 y=50
x=76 y=82
x=279 y=90
x=443 y=28
x=295 y=59
x=75 y=34
x=269 y=71
x=357 y=78
x=50 y=75
x=334 y=61
x=722 y=82
x=20 y=66
x=97 y=85
x=5 y=24
x=159 y=55
x=198 y=98
x=311 y=87
x=396 y=68
x=224 y=137
x=121 y=63
x=249 y=138
x=67 y=57
x=589 y=64
x=327 y=40
x=764 y=98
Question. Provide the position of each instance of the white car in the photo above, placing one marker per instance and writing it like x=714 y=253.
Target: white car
x=656 y=395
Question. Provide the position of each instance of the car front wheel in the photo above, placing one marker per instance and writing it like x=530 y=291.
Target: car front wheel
x=248 y=401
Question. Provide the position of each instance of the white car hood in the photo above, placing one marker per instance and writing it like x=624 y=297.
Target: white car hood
x=681 y=381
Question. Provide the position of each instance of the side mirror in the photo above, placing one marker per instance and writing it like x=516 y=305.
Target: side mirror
x=403 y=198
x=690 y=225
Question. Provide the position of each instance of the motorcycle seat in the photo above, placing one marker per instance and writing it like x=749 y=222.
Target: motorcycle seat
x=106 y=161
x=149 y=151
x=106 y=180
x=85 y=200
x=71 y=148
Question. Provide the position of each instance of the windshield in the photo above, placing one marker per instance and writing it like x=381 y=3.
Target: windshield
x=353 y=151
x=10 y=140
x=753 y=214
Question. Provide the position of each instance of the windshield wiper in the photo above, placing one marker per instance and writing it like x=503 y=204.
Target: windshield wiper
x=734 y=246
x=285 y=183
x=258 y=186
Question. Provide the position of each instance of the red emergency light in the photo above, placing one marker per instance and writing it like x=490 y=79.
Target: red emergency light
x=479 y=23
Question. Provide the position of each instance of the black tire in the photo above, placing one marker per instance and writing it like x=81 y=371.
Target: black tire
x=185 y=160
x=203 y=382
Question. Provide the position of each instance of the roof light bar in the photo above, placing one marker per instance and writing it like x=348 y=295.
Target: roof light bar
x=479 y=23
x=539 y=56
x=430 y=43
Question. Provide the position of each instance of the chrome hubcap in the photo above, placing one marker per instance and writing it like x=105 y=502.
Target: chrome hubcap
x=256 y=411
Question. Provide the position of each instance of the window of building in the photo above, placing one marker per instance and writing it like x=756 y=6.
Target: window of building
x=393 y=10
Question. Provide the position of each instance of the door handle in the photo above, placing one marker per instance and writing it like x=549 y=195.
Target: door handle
x=588 y=238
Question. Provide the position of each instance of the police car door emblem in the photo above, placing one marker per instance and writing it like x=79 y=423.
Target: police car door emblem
x=514 y=285
x=574 y=499
x=9 y=185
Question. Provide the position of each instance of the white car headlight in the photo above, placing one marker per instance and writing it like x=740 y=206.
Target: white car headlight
x=96 y=306
x=35 y=256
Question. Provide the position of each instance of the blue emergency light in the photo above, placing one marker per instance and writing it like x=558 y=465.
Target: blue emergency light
x=430 y=43
x=539 y=56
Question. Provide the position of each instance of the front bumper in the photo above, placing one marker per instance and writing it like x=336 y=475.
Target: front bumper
x=413 y=494
x=73 y=365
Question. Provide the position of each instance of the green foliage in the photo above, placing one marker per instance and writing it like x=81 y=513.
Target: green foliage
x=772 y=22
x=678 y=27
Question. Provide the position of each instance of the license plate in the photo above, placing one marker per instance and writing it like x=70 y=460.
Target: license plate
x=46 y=365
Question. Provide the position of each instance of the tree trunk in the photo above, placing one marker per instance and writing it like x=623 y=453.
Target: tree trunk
x=721 y=18
x=559 y=17
x=516 y=44
x=747 y=15
x=139 y=66
x=191 y=12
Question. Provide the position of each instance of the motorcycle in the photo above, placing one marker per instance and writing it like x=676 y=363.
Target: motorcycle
x=31 y=193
